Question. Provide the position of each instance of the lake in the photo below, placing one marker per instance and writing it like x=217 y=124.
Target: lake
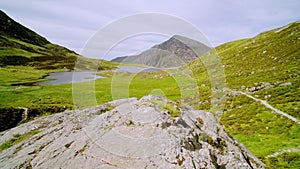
x=85 y=76
x=70 y=77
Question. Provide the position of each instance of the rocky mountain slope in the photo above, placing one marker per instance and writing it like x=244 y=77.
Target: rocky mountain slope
x=20 y=46
x=176 y=51
x=151 y=132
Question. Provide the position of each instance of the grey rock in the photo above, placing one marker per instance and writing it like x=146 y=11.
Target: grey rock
x=286 y=84
x=151 y=132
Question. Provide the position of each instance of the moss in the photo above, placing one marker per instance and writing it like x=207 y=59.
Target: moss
x=171 y=108
x=203 y=137
x=130 y=122
x=199 y=122
x=18 y=148
x=81 y=150
x=109 y=108
x=17 y=138
x=109 y=127
x=192 y=144
x=69 y=144
x=218 y=144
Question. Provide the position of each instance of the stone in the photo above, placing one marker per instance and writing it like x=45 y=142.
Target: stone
x=151 y=132
x=286 y=84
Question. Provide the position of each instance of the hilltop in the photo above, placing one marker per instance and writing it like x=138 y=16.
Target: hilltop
x=21 y=46
x=25 y=59
x=175 y=52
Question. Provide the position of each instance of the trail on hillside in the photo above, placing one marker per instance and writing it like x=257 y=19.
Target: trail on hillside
x=289 y=150
x=265 y=103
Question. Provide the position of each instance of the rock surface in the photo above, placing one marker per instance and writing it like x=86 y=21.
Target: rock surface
x=152 y=132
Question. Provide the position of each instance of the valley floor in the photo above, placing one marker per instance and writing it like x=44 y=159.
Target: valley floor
x=245 y=118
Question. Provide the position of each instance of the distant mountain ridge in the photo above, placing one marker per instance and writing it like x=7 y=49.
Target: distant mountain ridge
x=176 y=51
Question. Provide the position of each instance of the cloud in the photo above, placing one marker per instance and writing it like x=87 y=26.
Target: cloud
x=72 y=23
x=134 y=45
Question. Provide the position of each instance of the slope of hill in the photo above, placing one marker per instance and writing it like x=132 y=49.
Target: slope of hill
x=13 y=29
x=20 y=46
x=265 y=67
x=26 y=58
x=172 y=53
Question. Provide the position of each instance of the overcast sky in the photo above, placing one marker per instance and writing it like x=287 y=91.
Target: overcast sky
x=71 y=23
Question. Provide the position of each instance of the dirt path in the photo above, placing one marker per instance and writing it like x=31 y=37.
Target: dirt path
x=278 y=153
x=265 y=103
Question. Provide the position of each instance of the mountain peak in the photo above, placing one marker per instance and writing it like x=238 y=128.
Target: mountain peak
x=176 y=51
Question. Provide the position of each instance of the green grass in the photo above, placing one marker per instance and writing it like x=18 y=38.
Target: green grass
x=271 y=58
x=17 y=138
x=14 y=52
x=47 y=57
x=169 y=107
x=11 y=75
x=245 y=63
x=286 y=160
x=262 y=131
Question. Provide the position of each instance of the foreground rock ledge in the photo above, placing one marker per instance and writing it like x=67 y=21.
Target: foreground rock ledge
x=148 y=133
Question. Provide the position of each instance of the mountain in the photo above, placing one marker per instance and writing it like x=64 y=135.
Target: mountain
x=262 y=103
x=13 y=29
x=128 y=133
x=176 y=51
x=20 y=46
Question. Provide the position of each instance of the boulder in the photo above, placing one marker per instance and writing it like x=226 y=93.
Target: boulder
x=151 y=132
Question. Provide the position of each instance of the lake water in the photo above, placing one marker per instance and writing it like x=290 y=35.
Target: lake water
x=70 y=77
x=84 y=76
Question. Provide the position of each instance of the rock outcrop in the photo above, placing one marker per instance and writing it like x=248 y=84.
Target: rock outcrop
x=151 y=132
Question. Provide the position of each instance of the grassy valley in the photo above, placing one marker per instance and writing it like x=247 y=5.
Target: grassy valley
x=26 y=58
x=265 y=67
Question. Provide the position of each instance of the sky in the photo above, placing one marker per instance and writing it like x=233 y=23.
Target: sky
x=72 y=23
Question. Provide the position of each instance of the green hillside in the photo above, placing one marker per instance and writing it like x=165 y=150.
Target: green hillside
x=266 y=67
x=20 y=46
x=26 y=58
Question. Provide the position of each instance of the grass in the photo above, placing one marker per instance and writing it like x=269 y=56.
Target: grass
x=270 y=58
x=273 y=59
x=14 y=52
x=256 y=127
x=17 y=138
x=11 y=75
x=286 y=160
x=171 y=109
